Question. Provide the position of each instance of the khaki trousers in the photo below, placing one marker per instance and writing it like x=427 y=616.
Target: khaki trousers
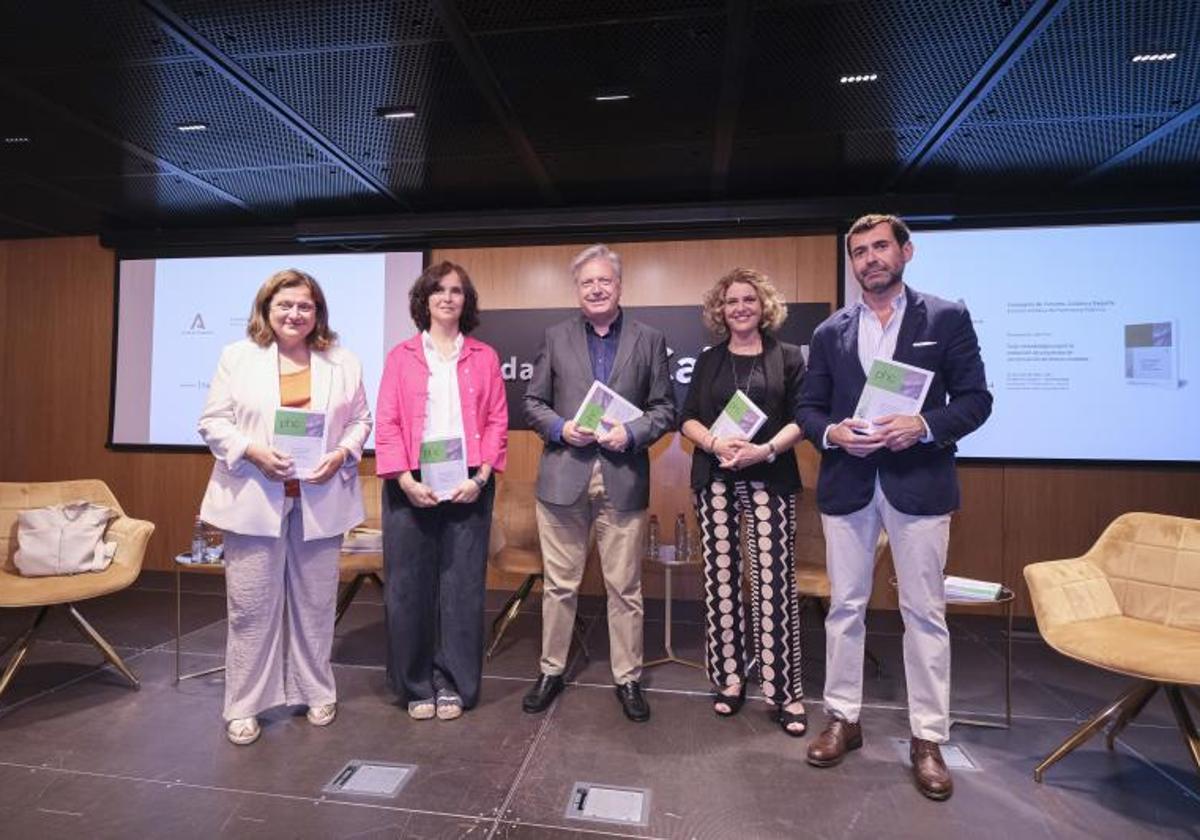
x=919 y=546
x=564 y=531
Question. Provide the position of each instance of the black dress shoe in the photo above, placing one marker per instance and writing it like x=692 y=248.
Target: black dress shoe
x=633 y=702
x=542 y=694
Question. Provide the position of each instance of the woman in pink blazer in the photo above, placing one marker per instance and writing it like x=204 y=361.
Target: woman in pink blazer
x=283 y=532
x=441 y=401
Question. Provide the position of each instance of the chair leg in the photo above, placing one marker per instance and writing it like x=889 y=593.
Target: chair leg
x=20 y=648
x=512 y=608
x=347 y=596
x=95 y=638
x=1131 y=711
x=1128 y=698
x=378 y=580
x=1186 y=725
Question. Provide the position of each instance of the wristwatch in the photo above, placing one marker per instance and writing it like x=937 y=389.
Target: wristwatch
x=771 y=451
x=479 y=482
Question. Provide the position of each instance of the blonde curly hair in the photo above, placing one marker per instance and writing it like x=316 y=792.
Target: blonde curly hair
x=773 y=306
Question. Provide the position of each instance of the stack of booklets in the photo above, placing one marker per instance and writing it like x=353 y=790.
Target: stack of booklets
x=968 y=589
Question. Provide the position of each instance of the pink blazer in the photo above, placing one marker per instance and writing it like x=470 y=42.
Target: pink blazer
x=404 y=392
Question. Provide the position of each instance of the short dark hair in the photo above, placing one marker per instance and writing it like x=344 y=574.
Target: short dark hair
x=865 y=223
x=427 y=284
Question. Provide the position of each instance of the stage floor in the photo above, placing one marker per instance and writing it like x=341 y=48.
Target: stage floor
x=83 y=755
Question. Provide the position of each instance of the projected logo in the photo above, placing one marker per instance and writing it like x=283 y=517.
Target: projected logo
x=516 y=334
x=197 y=326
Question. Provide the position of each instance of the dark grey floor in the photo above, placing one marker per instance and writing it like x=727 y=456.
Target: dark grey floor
x=81 y=754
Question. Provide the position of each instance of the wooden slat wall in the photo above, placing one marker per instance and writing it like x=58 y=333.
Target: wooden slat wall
x=56 y=298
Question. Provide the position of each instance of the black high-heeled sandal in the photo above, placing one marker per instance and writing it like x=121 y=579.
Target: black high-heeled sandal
x=732 y=701
x=788 y=719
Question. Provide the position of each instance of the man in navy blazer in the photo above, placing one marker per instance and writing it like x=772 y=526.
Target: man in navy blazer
x=897 y=473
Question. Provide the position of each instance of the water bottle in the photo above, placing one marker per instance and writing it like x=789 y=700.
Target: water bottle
x=682 y=549
x=652 y=538
x=198 y=541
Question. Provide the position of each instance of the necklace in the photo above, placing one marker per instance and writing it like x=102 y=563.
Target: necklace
x=750 y=375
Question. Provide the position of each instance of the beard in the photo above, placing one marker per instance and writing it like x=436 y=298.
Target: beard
x=876 y=284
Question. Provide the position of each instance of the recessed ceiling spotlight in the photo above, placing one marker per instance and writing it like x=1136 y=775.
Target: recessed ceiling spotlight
x=395 y=113
x=864 y=77
x=612 y=96
x=15 y=140
x=192 y=126
x=1154 y=57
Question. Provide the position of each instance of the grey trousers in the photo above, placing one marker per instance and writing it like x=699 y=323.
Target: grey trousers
x=282 y=595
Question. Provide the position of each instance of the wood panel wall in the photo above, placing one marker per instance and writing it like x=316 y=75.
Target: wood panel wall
x=56 y=298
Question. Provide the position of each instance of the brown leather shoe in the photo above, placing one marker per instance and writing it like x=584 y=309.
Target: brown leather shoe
x=929 y=771
x=832 y=745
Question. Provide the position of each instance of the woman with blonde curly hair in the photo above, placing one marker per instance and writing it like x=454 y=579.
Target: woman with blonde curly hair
x=752 y=481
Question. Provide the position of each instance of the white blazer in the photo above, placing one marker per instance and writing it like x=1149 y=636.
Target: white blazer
x=240 y=410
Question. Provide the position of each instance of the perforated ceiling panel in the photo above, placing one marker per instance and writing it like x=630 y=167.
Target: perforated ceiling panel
x=1169 y=163
x=922 y=51
x=509 y=15
x=245 y=28
x=506 y=115
x=1076 y=98
x=46 y=33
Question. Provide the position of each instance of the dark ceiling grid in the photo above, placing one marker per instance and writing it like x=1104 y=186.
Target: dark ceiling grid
x=738 y=24
x=655 y=146
x=78 y=122
x=237 y=76
x=1164 y=159
x=247 y=29
x=1040 y=15
x=340 y=91
x=490 y=89
x=94 y=33
x=494 y=17
x=923 y=51
x=1075 y=100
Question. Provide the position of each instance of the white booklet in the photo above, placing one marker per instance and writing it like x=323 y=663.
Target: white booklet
x=300 y=434
x=443 y=465
x=892 y=388
x=969 y=589
x=740 y=418
x=602 y=403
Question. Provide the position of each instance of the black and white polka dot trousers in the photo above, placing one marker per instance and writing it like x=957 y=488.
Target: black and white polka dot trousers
x=773 y=635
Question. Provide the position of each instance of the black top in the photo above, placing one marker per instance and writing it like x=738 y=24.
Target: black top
x=774 y=386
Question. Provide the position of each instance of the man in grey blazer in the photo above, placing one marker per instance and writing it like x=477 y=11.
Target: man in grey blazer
x=597 y=480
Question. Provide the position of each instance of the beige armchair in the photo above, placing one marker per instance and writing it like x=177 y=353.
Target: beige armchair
x=42 y=593
x=515 y=548
x=361 y=566
x=1131 y=605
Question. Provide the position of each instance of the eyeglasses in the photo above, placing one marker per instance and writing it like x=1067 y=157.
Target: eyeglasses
x=592 y=282
x=303 y=307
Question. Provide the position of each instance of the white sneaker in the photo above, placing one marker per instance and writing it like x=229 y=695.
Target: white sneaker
x=243 y=731
x=322 y=715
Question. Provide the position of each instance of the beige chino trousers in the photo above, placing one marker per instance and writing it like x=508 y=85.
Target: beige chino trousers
x=565 y=532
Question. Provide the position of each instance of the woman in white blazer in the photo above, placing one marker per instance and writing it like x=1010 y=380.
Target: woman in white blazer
x=282 y=533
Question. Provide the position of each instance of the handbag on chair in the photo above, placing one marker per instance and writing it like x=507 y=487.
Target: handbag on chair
x=63 y=539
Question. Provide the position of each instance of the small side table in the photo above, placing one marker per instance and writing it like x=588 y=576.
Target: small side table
x=1007 y=598
x=211 y=568
x=666 y=558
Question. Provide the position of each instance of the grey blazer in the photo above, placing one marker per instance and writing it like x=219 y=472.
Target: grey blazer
x=562 y=375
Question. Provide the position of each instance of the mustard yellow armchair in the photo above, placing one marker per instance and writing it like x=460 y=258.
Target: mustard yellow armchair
x=361 y=566
x=1131 y=605
x=42 y=593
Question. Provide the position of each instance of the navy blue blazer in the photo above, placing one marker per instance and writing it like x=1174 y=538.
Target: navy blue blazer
x=935 y=334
